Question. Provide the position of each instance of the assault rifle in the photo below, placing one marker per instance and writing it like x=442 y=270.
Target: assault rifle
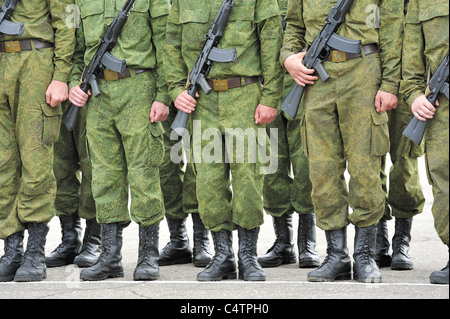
x=438 y=84
x=6 y=26
x=323 y=44
x=209 y=54
x=102 y=59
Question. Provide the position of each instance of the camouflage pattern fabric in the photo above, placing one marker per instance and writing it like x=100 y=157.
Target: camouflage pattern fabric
x=126 y=150
x=340 y=127
x=425 y=45
x=28 y=127
x=285 y=192
x=405 y=196
x=124 y=147
x=47 y=21
x=254 y=29
x=73 y=171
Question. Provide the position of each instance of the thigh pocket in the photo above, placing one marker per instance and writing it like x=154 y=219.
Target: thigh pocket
x=380 y=134
x=51 y=123
x=156 y=144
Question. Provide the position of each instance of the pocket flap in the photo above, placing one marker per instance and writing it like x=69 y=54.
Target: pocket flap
x=89 y=8
x=156 y=129
x=198 y=15
x=380 y=118
x=51 y=111
x=437 y=9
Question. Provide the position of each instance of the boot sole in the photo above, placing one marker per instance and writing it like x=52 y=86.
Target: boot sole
x=402 y=266
x=226 y=277
x=58 y=264
x=250 y=278
x=140 y=278
x=369 y=280
x=7 y=278
x=265 y=264
x=110 y=275
x=30 y=278
x=84 y=264
x=309 y=264
x=340 y=277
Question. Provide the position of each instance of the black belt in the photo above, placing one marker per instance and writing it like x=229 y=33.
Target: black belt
x=340 y=56
x=109 y=75
x=225 y=85
x=23 y=45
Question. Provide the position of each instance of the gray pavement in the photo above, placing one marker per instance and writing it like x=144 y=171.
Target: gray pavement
x=285 y=282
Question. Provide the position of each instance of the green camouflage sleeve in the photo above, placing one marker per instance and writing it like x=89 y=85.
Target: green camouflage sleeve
x=78 y=56
x=413 y=60
x=294 y=36
x=175 y=69
x=390 y=33
x=268 y=19
x=64 y=38
x=159 y=11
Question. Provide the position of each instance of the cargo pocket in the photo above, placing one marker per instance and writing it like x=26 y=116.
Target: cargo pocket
x=51 y=123
x=156 y=144
x=380 y=144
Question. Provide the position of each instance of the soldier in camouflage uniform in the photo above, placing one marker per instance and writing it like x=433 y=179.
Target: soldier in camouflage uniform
x=405 y=197
x=285 y=193
x=254 y=30
x=34 y=70
x=124 y=133
x=180 y=201
x=426 y=42
x=74 y=199
x=345 y=125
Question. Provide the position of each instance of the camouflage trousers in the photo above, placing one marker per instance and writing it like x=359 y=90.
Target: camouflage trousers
x=28 y=129
x=177 y=179
x=289 y=188
x=73 y=171
x=229 y=186
x=125 y=150
x=342 y=130
x=405 y=196
x=436 y=159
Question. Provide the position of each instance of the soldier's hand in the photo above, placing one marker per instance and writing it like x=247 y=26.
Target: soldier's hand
x=77 y=97
x=385 y=101
x=186 y=103
x=301 y=74
x=57 y=92
x=422 y=108
x=265 y=114
x=158 y=112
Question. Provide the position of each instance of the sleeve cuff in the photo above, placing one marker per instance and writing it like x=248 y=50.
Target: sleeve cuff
x=413 y=97
x=177 y=91
x=389 y=87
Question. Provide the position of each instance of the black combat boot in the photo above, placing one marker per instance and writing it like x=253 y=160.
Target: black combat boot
x=282 y=250
x=307 y=255
x=401 y=260
x=178 y=250
x=249 y=268
x=440 y=277
x=70 y=245
x=33 y=267
x=365 y=268
x=147 y=266
x=202 y=253
x=382 y=256
x=91 y=248
x=109 y=265
x=337 y=265
x=223 y=264
x=13 y=257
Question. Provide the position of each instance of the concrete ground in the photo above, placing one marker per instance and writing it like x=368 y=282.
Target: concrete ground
x=285 y=282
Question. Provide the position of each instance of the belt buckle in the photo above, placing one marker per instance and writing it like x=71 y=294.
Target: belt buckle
x=110 y=75
x=220 y=85
x=12 y=46
x=338 y=56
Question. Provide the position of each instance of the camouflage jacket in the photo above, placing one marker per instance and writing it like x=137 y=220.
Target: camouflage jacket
x=426 y=43
x=371 y=21
x=48 y=20
x=253 y=28
x=140 y=43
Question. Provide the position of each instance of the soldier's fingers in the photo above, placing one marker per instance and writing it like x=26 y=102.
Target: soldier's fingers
x=378 y=103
